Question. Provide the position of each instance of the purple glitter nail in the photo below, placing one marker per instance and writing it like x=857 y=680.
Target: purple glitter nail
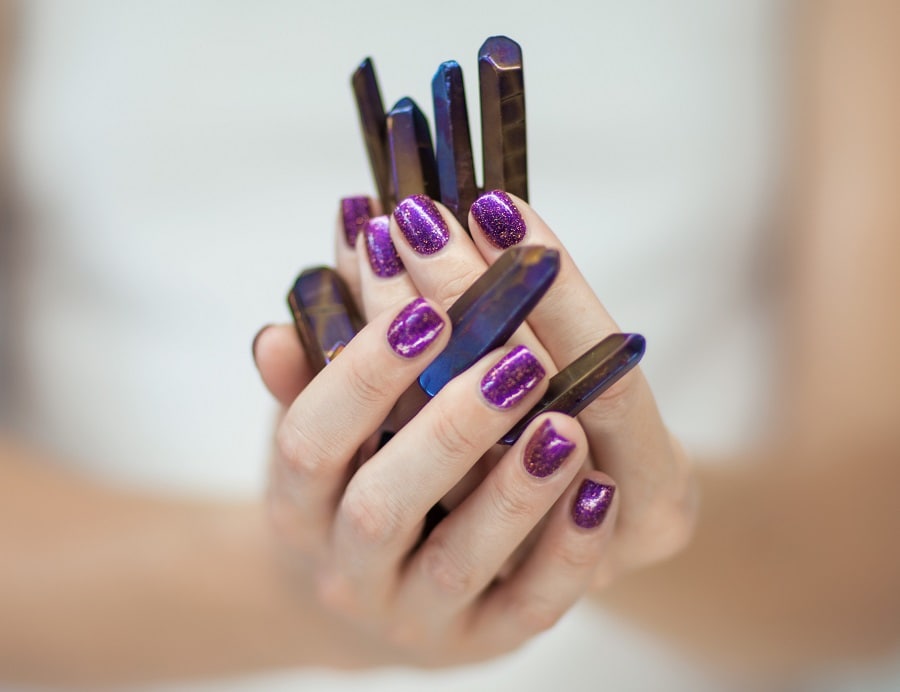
x=546 y=451
x=413 y=330
x=498 y=217
x=422 y=224
x=355 y=211
x=592 y=503
x=383 y=257
x=516 y=374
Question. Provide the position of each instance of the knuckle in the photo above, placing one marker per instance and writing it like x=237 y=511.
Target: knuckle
x=571 y=559
x=512 y=504
x=372 y=517
x=456 y=283
x=537 y=614
x=451 y=575
x=450 y=440
x=368 y=386
x=302 y=453
x=335 y=592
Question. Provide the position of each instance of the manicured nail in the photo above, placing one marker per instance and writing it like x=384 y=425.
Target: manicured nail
x=422 y=224
x=355 y=211
x=516 y=374
x=413 y=330
x=546 y=451
x=383 y=257
x=498 y=217
x=592 y=503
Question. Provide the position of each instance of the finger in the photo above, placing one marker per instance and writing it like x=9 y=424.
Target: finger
x=624 y=423
x=465 y=553
x=383 y=278
x=352 y=216
x=560 y=568
x=281 y=362
x=381 y=513
x=442 y=261
x=346 y=402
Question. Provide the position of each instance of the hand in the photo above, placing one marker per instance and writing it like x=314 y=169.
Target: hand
x=449 y=598
x=626 y=436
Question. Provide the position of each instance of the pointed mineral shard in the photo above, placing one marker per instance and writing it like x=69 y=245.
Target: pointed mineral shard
x=573 y=388
x=486 y=315
x=411 y=153
x=324 y=313
x=453 y=143
x=373 y=122
x=503 y=116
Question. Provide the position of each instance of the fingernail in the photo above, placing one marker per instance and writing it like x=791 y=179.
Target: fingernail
x=546 y=451
x=516 y=374
x=256 y=340
x=498 y=217
x=422 y=224
x=413 y=330
x=355 y=211
x=592 y=503
x=383 y=257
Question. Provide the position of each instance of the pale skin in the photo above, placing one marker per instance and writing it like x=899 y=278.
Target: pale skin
x=789 y=560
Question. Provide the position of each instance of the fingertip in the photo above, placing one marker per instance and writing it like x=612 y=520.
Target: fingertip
x=281 y=362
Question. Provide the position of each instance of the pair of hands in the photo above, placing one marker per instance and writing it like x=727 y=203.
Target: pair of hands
x=571 y=506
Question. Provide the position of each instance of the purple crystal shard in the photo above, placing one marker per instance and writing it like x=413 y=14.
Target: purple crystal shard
x=324 y=314
x=373 y=123
x=413 y=166
x=453 y=142
x=486 y=315
x=574 y=387
x=503 y=116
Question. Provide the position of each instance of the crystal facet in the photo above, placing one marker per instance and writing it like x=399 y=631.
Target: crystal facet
x=373 y=123
x=453 y=142
x=503 y=116
x=573 y=388
x=412 y=161
x=486 y=315
x=324 y=314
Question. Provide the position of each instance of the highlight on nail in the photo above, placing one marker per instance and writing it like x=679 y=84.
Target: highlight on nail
x=383 y=257
x=513 y=376
x=355 y=211
x=546 y=451
x=414 y=329
x=592 y=503
x=499 y=219
x=422 y=225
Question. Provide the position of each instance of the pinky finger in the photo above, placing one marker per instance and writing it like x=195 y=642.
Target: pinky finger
x=560 y=568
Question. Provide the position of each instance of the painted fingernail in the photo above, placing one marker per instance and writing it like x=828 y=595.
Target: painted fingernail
x=413 y=330
x=592 y=503
x=355 y=211
x=498 y=217
x=546 y=451
x=516 y=374
x=383 y=257
x=422 y=224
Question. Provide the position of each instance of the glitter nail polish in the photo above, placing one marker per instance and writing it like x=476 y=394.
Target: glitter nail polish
x=355 y=211
x=514 y=375
x=546 y=451
x=383 y=257
x=422 y=224
x=414 y=329
x=498 y=217
x=592 y=503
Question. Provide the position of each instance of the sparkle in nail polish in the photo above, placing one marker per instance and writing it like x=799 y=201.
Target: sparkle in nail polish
x=516 y=374
x=592 y=503
x=383 y=257
x=414 y=329
x=422 y=224
x=546 y=451
x=498 y=217
x=355 y=211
